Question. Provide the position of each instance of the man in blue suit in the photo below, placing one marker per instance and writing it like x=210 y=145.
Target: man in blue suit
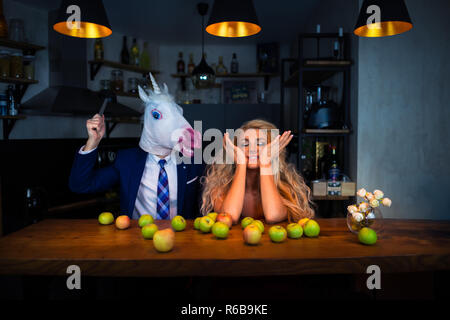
x=151 y=181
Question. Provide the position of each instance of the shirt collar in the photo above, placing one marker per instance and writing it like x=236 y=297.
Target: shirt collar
x=156 y=159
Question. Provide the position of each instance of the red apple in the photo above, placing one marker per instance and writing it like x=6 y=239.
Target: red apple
x=225 y=218
x=163 y=240
x=252 y=234
x=122 y=222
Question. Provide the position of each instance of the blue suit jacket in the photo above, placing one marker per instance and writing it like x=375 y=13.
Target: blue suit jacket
x=127 y=170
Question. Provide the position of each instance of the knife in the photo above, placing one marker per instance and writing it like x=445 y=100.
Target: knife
x=102 y=109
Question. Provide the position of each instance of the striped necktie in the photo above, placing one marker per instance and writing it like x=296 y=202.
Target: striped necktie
x=162 y=204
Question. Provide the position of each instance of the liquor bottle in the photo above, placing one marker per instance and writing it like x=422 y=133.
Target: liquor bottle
x=336 y=53
x=234 y=64
x=12 y=107
x=98 y=50
x=191 y=64
x=221 y=69
x=134 y=57
x=124 y=55
x=334 y=171
x=180 y=63
x=145 y=57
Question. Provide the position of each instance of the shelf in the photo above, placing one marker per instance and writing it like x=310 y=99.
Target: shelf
x=266 y=76
x=20 y=45
x=17 y=80
x=232 y=75
x=316 y=71
x=326 y=132
x=18 y=117
x=8 y=124
x=95 y=66
x=326 y=63
x=318 y=198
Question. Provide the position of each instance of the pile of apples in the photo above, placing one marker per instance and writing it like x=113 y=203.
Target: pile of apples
x=217 y=223
x=163 y=240
x=253 y=230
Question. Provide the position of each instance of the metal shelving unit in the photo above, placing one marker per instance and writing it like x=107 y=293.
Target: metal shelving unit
x=306 y=72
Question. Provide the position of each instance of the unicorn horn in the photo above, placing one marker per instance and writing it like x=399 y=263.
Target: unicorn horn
x=154 y=84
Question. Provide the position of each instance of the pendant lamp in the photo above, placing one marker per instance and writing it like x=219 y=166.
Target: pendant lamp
x=93 y=22
x=233 y=18
x=203 y=76
x=381 y=18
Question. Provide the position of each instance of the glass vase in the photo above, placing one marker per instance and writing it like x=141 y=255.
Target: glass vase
x=372 y=219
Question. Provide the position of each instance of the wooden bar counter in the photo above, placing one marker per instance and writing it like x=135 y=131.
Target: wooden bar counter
x=50 y=246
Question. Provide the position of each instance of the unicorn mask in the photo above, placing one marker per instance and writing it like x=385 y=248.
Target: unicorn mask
x=165 y=128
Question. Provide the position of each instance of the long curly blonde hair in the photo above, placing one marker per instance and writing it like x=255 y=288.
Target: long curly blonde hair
x=295 y=194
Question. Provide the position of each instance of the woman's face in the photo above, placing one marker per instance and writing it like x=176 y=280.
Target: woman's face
x=252 y=141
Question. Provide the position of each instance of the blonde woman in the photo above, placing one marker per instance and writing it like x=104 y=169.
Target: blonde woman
x=251 y=186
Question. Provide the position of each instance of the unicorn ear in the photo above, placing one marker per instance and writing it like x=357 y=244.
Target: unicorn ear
x=165 y=88
x=143 y=95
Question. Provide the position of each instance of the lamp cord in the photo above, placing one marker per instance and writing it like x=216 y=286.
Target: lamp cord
x=203 y=36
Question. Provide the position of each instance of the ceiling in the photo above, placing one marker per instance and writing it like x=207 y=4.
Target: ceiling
x=178 y=22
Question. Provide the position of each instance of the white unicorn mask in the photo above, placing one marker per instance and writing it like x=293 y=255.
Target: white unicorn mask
x=165 y=128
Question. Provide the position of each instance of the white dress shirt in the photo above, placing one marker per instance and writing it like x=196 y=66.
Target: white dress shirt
x=147 y=192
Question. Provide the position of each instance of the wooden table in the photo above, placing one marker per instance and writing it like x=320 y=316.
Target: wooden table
x=49 y=247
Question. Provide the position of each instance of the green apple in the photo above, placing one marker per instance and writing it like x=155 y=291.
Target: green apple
x=311 y=229
x=213 y=215
x=294 y=231
x=259 y=224
x=252 y=234
x=367 y=236
x=220 y=230
x=148 y=231
x=277 y=234
x=163 y=240
x=206 y=224
x=178 y=223
x=246 y=221
x=106 y=218
x=197 y=223
x=145 y=219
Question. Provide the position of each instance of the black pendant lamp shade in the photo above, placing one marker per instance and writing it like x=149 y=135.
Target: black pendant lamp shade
x=93 y=20
x=233 y=18
x=394 y=19
x=203 y=76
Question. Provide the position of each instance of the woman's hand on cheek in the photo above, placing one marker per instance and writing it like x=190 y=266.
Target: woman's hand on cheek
x=273 y=149
x=232 y=151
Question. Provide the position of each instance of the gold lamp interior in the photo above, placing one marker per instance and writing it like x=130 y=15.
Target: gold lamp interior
x=86 y=30
x=233 y=29
x=383 y=29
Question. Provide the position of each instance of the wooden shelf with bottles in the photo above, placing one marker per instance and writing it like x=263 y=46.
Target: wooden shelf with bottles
x=266 y=76
x=95 y=66
x=17 y=80
x=24 y=46
x=21 y=84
